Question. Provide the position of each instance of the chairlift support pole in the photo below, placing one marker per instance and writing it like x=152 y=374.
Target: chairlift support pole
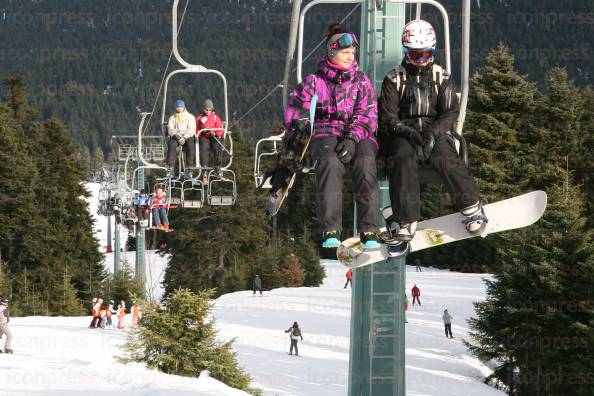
x=117 y=252
x=140 y=269
x=108 y=248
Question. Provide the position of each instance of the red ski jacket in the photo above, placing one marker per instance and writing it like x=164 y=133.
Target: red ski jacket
x=349 y=273
x=210 y=120
x=416 y=291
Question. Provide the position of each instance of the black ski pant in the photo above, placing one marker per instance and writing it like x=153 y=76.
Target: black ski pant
x=402 y=166
x=208 y=146
x=416 y=298
x=258 y=289
x=95 y=321
x=293 y=345
x=189 y=151
x=448 y=329
x=348 y=281
x=329 y=182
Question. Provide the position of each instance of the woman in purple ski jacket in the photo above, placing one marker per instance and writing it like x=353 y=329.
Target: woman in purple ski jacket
x=343 y=135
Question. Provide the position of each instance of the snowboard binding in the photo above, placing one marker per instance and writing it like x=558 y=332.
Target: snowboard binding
x=397 y=245
x=475 y=215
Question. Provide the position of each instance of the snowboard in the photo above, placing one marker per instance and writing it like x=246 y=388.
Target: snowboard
x=509 y=214
x=276 y=197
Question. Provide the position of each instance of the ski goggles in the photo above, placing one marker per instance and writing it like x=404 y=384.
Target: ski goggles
x=344 y=41
x=419 y=55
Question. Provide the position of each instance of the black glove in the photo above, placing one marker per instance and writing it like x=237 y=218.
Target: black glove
x=346 y=149
x=409 y=133
x=300 y=126
x=425 y=149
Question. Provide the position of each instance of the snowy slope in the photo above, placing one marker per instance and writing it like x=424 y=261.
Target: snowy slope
x=61 y=356
x=435 y=365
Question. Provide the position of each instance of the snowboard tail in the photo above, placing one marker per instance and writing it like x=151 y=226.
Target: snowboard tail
x=509 y=214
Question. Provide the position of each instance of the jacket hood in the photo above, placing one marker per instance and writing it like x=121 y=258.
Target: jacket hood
x=326 y=70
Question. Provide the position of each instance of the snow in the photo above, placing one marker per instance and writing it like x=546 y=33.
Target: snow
x=433 y=362
x=61 y=356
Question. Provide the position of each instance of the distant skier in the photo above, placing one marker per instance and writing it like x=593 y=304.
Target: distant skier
x=181 y=129
x=96 y=321
x=295 y=334
x=418 y=264
x=418 y=108
x=343 y=136
x=109 y=311
x=121 y=313
x=4 y=330
x=349 y=278
x=416 y=293
x=136 y=314
x=447 y=322
x=257 y=285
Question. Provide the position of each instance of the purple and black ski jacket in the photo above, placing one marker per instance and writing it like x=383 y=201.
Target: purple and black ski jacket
x=346 y=106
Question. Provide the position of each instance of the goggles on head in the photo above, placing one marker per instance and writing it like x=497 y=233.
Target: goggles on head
x=344 y=41
x=419 y=55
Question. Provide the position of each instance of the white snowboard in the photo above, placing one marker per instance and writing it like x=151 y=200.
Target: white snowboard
x=517 y=212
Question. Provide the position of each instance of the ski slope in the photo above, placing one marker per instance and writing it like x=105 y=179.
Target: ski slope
x=435 y=365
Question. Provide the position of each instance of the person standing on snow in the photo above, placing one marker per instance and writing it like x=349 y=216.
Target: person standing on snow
x=136 y=314
x=257 y=285
x=343 y=136
x=181 y=129
x=4 y=330
x=295 y=334
x=416 y=293
x=210 y=139
x=418 y=107
x=96 y=314
x=349 y=278
x=447 y=322
x=121 y=313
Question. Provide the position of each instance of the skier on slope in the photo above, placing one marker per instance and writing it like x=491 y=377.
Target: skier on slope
x=416 y=293
x=257 y=285
x=343 y=135
x=447 y=323
x=4 y=319
x=418 y=107
x=295 y=334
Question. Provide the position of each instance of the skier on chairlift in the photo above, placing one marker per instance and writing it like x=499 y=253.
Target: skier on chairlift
x=418 y=108
x=343 y=136
x=181 y=130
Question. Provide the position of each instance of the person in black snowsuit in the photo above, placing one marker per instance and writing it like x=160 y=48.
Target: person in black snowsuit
x=418 y=107
x=257 y=285
x=295 y=334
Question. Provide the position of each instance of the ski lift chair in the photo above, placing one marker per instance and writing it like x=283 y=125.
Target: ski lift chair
x=220 y=190
x=266 y=149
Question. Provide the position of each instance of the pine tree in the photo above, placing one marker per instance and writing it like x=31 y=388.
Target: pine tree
x=538 y=318
x=98 y=160
x=309 y=257
x=500 y=137
x=181 y=340
x=122 y=286
x=293 y=271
